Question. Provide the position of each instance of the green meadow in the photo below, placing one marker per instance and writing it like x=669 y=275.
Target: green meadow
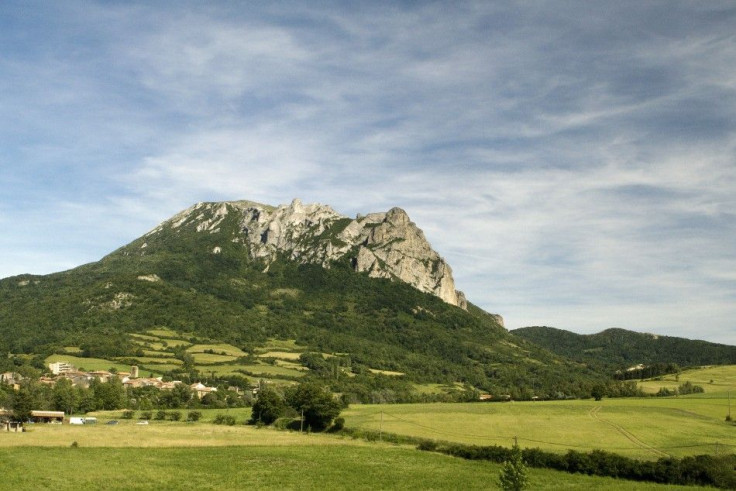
x=202 y=455
x=89 y=364
x=165 y=456
x=713 y=379
x=643 y=428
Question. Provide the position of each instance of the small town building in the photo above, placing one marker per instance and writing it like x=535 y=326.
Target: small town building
x=202 y=390
x=47 y=416
x=61 y=367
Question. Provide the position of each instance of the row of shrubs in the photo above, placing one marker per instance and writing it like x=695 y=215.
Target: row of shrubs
x=700 y=470
x=162 y=415
x=292 y=424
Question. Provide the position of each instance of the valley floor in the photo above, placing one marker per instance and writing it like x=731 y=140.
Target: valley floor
x=204 y=456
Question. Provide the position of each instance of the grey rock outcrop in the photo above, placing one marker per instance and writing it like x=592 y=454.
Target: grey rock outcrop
x=384 y=245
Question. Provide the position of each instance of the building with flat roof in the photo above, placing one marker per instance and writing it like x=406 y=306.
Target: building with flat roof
x=61 y=367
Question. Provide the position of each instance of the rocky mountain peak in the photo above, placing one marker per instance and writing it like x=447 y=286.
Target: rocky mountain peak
x=384 y=245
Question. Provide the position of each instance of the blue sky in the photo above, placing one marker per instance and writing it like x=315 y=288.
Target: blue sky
x=574 y=162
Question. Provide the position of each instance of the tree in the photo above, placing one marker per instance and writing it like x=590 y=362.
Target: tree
x=315 y=402
x=598 y=391
x=176 y=398
x=64 y=398
x=268 y=407
x=513 y=475
x=108 y=395
x=22 y=404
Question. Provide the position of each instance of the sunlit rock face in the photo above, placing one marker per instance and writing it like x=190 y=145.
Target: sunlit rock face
x=384 y=245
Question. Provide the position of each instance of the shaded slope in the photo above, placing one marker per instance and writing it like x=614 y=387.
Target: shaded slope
x=624 y=348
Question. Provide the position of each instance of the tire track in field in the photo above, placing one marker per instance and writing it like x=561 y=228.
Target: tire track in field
x=593 y=413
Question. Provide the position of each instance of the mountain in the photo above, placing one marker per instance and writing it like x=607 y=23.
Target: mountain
x=622 y=349
x=385 y=245
x=368 y=294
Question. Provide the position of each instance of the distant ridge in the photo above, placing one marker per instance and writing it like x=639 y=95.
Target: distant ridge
x=622 y=347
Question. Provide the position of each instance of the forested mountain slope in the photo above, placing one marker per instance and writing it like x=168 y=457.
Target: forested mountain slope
x=234 y=272
x=623 y=348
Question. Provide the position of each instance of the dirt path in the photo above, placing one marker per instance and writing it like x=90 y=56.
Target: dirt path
x=633 y=439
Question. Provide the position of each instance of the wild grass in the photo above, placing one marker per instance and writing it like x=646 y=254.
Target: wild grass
x=165 y=332
x=219 y=348
x=713 y=379
x=150 y=360
x=281 y=355
x=281 y=345
x=203 y=456
x=144 y=337
x=273 y=370
x=207 y=358
x=639 y=428
x=89 y=364
x=175 y=343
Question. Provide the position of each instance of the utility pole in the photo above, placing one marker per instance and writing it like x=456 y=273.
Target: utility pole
x=516 y=441
x=380 y=429
x=729 y=405
x=301 y=423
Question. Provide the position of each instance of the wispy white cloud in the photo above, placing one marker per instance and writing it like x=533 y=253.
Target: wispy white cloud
x=576 y=170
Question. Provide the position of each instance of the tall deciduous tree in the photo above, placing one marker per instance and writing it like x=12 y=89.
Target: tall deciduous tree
x=268 y=407
x=22 y=404
x=64 y=397
x=315 y=402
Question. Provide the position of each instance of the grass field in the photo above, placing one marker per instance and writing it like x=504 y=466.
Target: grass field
x=713 y=379
x=282 y=355
x=89 y=364
x=640 y=428
x=220 y=349
x=204 y=456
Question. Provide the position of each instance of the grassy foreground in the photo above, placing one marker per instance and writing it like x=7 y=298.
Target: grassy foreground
x=203 y=456
x=643 y=428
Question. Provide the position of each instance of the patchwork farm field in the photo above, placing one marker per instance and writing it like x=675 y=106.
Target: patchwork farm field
x=276 y=362
x=205 y=456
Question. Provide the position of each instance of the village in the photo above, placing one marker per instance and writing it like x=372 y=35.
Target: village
x=62 y=370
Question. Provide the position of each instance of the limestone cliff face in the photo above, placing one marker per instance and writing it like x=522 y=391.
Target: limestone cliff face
x=385 y=245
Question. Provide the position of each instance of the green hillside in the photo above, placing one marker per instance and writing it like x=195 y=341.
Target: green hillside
x=621 y=349
x=171 y=279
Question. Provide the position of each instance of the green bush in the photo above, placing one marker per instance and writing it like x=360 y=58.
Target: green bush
x=338 y=424
x=146 y=415
x=287 y=424
x=128 y=414
x=224 y=419
x=174 y=415
x=160 y=415
x=427 y=446
x=194 y=415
